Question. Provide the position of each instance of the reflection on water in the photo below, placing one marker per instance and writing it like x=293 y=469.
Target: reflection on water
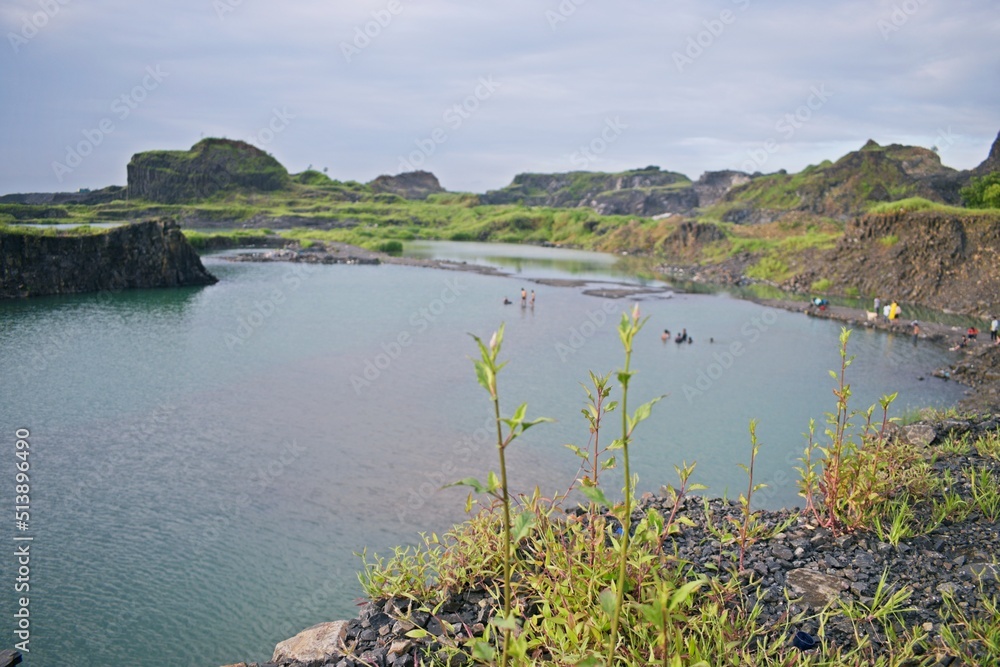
x=536 y=261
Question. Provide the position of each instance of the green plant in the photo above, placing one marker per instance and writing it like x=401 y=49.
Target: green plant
x=749 y=530
x=822 y=285
x=627 y=329
x=971 y=637
x=985 y=492
x=889 y=240
x=487 y=368
x=983 y=192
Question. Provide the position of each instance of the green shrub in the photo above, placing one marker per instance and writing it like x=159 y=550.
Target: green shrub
x=822 y=285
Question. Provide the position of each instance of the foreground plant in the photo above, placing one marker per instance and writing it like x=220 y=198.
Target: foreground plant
x=487 y=368
x=627 y=329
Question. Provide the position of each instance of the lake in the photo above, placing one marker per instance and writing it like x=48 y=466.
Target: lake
x=206 y=462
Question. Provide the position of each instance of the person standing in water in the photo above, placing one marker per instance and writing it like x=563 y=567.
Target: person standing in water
x=532 y=298
x=524 y=297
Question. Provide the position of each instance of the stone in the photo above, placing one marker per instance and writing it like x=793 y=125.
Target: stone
x=782 y=553
x=814 y=588
x=323 y=642
x=982 y=571
x=919 y=435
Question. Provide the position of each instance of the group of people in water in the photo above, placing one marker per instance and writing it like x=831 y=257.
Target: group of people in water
x=682 y=337
x=524 y=299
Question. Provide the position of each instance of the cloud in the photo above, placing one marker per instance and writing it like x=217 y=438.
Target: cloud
x=366 y=81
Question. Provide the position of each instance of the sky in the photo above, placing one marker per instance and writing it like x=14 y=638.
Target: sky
x=477 y=92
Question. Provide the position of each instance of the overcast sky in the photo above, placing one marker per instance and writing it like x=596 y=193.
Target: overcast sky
x=477 y=91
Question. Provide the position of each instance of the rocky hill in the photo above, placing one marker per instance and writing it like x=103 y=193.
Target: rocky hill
x=211 y=166
x=847 y=187
x=409 y=185
x=153 y=253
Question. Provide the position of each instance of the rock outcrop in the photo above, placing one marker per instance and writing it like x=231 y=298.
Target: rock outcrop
x=210 y=167
x=847 y=187
x=152 y=253
x=992 y=162
x=941 y=260
x=409 y=185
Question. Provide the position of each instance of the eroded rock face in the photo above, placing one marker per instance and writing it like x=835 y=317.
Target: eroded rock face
x=153 y=253
x=319 y=644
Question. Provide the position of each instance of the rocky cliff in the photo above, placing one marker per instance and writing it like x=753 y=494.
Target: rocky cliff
x=948 y=261
x=992 y=162
x=211 y=166
x=153 y=253
x=410 y=185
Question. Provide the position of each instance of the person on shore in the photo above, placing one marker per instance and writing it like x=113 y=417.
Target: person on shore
x=878 y=306
x=994 y=328
x=972 y=332
x=894 y=311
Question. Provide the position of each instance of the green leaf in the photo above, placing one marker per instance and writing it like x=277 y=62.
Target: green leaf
x=492 y=482
x=522 y=526
x=643 y=412
x=595 y=495
x=684 y=593
x=609 y=463
x=483 y=652
x=608 y=601
x=509 y=623
x=618 y=443
x=610 y=407
x=469 y=481
x=417 y=633
x=519 y=413
x=576 y=450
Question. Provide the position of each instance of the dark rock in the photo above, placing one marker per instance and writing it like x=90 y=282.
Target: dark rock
x=153 y=253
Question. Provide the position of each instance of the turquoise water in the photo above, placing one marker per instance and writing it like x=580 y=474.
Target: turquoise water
x=206 y=461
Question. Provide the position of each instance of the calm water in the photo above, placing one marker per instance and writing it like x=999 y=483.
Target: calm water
x=205 y=462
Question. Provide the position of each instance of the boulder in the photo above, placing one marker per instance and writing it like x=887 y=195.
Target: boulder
x=919 y=435
x=320 y=643
x=814 y=589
